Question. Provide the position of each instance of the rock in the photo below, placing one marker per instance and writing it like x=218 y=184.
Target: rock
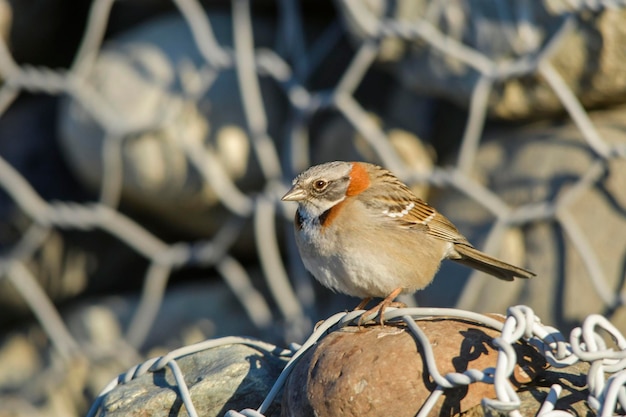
x=573 y=398
x=19 y=362
x=6 y=19
x=156 y=91
x=590 y=58
x=37 y=384
x=219 y=379
x=67 y=263
x=189 y=313
x=535 y=164
x=379 y=371
x=36 y=154
x=31 y=371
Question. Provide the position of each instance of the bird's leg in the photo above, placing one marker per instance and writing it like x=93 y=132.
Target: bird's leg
x=380 y=307
x=363 y=303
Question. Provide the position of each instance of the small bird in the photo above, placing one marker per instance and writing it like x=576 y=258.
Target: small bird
x=362 y=232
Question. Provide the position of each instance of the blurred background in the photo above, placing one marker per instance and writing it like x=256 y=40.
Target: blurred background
x=145 y=145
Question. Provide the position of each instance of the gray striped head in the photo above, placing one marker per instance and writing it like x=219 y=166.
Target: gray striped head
x=321 y=187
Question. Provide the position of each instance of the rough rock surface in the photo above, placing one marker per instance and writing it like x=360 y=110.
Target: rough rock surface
x=156 y=91
x=219 y=379
x=30 y=364
x=544 y=162
x=380 y=371
x=590 y=57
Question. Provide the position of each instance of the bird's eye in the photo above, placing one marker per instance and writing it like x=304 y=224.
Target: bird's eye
x=320 y=185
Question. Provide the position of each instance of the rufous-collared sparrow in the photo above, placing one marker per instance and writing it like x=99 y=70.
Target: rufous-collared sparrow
x=362 y=232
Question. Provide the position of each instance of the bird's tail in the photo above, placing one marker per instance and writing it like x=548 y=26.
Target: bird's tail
x=476 y=259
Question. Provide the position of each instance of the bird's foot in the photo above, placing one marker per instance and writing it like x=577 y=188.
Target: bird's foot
x=380 y=307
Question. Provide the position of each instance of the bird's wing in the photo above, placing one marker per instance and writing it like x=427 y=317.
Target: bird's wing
x=407 y=211
x=394 y=202
x=422 y=214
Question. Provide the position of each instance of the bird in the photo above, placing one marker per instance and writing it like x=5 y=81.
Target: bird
x=361 y=231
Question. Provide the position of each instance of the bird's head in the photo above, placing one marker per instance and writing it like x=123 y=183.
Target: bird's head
x=321 y=187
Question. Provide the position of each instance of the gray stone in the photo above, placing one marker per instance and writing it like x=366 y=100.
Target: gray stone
x=6 y=19
x=535 y=164
x=19 y=361
x=66 y=263
x=53 y=388
x=152 y=86
x=189 y=313
x=573 y=381
x=219 y=379
x=590 y=58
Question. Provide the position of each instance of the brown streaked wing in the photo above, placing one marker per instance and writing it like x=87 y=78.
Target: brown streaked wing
x=394 y=196
x=443 y=228
x=438 y=225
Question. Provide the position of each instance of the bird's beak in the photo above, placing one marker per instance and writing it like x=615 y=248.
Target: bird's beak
x=294 y=194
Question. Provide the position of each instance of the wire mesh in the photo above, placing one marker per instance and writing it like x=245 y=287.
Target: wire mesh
x=290 y=65
x=586 y=344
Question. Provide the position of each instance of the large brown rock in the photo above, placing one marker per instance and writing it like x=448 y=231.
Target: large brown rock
x=376 y=371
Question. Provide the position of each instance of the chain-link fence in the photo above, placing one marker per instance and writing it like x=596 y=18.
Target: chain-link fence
x=158 y=157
